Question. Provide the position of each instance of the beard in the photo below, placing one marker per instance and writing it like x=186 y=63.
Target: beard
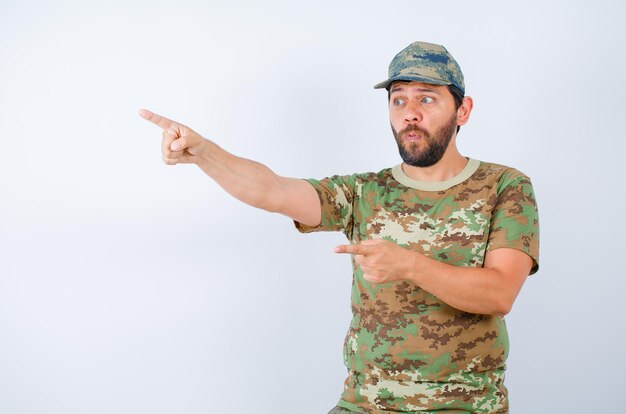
x=436 y=144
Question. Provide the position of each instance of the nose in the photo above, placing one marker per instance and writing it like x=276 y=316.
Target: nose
x=412 y=113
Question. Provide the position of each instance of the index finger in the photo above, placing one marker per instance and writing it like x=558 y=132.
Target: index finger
x=352 y=249
x=158 y=120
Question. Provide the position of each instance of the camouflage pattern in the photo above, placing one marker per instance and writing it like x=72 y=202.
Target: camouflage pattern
x=425 y=62
x=406 y=350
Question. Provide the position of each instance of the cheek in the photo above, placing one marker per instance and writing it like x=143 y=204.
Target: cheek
x=396 y=120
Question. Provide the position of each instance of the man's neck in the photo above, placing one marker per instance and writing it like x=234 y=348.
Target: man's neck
x=449 y=166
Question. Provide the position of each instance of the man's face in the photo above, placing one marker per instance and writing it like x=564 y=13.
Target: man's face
x=423 y=120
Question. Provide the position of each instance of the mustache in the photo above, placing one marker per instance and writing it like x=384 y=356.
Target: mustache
x=413 y=128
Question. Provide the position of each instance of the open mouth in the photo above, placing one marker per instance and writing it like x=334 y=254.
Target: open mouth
x=412 y=136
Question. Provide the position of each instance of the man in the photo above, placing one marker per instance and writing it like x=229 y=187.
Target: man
x=441 y=245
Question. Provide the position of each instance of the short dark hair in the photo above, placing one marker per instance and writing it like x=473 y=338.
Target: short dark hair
x=456 y=93
x=458 y=96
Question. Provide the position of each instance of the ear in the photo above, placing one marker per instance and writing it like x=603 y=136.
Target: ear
x=463 y=113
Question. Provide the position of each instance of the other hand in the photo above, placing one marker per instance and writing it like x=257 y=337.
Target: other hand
x=380 y=260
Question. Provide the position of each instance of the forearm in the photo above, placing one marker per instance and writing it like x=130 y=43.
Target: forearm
x=249 y=181
x=475 y=290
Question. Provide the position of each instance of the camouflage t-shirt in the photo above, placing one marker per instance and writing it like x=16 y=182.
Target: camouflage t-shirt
x=406 y=350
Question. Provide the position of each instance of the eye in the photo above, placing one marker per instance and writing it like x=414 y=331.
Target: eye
x=398 y=101
x=427 y=100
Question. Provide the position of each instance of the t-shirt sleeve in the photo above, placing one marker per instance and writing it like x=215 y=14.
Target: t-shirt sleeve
x=336 y=196
x=515 y=221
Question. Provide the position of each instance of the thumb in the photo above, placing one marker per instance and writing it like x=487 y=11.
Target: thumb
x=191 y=142
x=178 y=144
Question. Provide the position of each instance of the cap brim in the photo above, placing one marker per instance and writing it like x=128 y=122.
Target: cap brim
x=385 y=84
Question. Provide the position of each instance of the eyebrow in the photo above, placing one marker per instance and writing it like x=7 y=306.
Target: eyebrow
x=400 y=88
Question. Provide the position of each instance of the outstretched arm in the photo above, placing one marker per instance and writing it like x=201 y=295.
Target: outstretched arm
x=247 y=180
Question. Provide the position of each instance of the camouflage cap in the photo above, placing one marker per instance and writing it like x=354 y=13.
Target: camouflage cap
x=424 y=62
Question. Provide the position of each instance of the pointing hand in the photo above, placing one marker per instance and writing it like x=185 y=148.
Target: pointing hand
x=180 y=144
x=380 y=260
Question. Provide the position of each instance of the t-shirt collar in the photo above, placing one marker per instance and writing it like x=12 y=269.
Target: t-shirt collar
x=469 y=169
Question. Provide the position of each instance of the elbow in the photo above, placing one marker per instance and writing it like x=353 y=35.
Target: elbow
x=502 y=306
x=266 y=198
x=270 y=204
x=502 y=311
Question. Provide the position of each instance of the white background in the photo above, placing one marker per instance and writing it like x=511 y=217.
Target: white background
x=127 y=286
